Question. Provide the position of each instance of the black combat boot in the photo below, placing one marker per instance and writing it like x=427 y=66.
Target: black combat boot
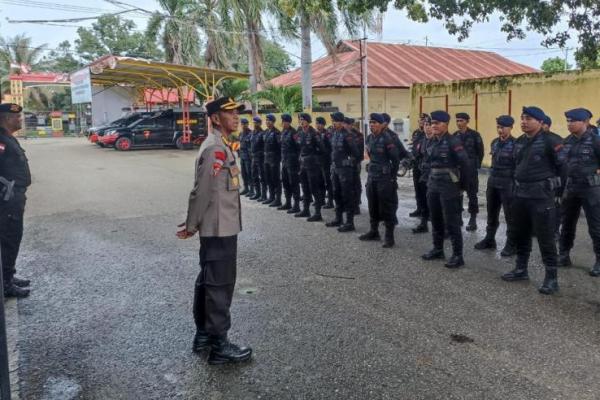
x=422 y=227
x=456 y=261
x=316 y=217
x=277 y=201
x=518 y=274
x=472 y=225
x=337 y=221
x=372 y=235
x=295 y=209
x=416 y=213
x=250 y=191
x=550 y=285
x=349 y=225
x=287 y=205
x=488 y=242
x=434 y=254
x=263 y=193
x=201 y=342
x=21 y=282
x=245 y=191
x=595 y=271
x=256 y=195
x=509 y=250
x=270 y=198
x=224 y=352
x=389 y=241
x=329 y=205
x=12 y=290
x=305 y=211
x=564 y=259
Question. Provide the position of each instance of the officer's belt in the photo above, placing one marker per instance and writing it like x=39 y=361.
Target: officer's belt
x=452 y=172
x=502 y=173
x=548 y=183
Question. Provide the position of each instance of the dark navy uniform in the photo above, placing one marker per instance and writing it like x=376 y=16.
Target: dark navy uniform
x=421 y=157
x=258 y=165
x=402 y=155
x=360 y=142
x=311 y=174
x=246 y=160
x=326 y=164
x=499 y=193
x=273 y=165
x=13 y=167
x=290 y=172
x=418 y=137
x=450 y=173
x=384 y=160
x=345 y=155
x=473 y=144
x=582 y=157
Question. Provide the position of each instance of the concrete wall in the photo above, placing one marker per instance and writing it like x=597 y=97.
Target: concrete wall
x=107 y=103
x=485 y=99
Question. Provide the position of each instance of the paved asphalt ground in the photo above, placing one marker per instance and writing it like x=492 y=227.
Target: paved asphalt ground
x=328 y=316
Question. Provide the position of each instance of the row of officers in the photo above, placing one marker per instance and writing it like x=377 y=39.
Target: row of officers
x=540 y=181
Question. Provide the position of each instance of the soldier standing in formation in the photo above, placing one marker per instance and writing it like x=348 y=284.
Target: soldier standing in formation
x=382 y=170
x=450 y=174
x=14 y=169
x=473 y=145
x=360 y=142
x=421 y=157
x=258 y=161
x=582 y=157
x=547 y=128
x=326 y=160
x=499 y=192
x=344 y=157
x=420 y=196
x=290 y=165
x=311 y=173
x=402 y=153
x=538 y=166
x=246 y=158
x=214 y=212
x=273 y=162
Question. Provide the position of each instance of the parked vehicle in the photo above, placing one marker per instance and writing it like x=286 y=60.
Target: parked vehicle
x=95 y=133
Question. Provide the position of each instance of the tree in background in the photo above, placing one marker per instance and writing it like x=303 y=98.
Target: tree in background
x=286 y=99
x=18 y=55
x=111 y=34
x=555 y=64
x=61 y=59
x=582 y=19
x=276 y=60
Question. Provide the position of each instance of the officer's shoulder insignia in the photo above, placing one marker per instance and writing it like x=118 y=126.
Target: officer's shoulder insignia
x=220 y=157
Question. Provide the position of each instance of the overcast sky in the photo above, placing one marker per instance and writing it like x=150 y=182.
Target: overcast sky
x=396 y=28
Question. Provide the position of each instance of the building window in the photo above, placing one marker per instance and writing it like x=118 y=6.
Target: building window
x=325 y=104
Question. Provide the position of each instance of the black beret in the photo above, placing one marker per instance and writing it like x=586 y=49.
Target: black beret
x=534 y=112
x=286 y=118
x=578 y=114
x=271 y=117
x=377 y=118
x=10 y=108
x=321 y=120
x=463 y=115
x=257 y=119
x=506 y=121
x=337 y=117
x=349 y=120
x=222 y=104
x=386 y=118
x=305 y=116
x=547 y=120
x=244 y=121
x=440 y=116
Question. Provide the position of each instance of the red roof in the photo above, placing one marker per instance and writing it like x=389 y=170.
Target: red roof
x=399 y=65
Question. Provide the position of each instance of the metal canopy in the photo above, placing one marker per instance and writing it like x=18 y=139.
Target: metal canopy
x=126 y=71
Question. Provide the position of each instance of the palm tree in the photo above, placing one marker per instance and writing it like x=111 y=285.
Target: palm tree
x=287 y=99
x=16 y=53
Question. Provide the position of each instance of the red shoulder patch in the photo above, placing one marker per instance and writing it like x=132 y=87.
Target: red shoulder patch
x=220 y=155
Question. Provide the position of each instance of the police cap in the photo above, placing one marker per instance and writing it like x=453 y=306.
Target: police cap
x=440 y=116
x=222 y=104
x=534 y=112
x=578 y=114
x=505 y=120
x=337 y=116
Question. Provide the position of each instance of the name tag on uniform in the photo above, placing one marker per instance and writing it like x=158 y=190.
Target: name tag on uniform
x=233 y=181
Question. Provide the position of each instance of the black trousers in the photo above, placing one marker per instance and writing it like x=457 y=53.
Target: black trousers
x=357 y=186
x=215 y=284
x=313 y=185
x=571 y=209
x=420 y=197
x=344 y=189
x=499 y=198
x=382 y=205
x=445 y=214
x=534 y=216
x=472 y=191
x=273 y=177
x=290 y=178
x=11 y=233
x=327 y=179
x=246 y=165
x=258 y=172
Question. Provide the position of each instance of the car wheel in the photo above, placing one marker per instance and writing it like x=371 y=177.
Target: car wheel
x=179 y=143
x=123 y=144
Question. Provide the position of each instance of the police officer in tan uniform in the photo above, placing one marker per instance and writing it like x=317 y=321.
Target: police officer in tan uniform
x=214 y=213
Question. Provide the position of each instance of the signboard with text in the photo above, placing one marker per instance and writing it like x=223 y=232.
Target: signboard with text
x=81 y=86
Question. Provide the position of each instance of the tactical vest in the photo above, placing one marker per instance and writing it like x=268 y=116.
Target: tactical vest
x=13 y=162
x=272 y=146
x=290 y=150
x=258 y=145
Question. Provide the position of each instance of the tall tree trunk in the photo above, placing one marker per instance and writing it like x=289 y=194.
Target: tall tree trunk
x=306 y=63
x=252 y=67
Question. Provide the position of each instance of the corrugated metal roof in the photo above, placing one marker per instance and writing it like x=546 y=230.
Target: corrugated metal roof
x=399 y=65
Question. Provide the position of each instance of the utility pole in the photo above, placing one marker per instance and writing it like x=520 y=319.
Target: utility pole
x=365 y=85
x=426 y=41
x=566 y=58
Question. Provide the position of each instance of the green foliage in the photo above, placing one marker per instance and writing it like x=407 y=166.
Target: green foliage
x=112 y=34
x=237 y=89
x=20 y=51
x=276 y=60
x=61 y=59
x=287 y=99
x=555 y=64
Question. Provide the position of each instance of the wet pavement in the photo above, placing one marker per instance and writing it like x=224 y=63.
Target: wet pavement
x=328 y=316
